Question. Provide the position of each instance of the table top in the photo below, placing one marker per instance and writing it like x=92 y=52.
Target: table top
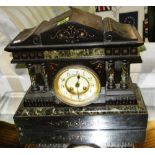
x=150 y=136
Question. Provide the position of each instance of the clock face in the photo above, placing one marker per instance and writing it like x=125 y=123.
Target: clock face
x=76 y=85
x=130 y=20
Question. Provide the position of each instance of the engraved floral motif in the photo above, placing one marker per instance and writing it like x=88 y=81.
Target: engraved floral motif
x=99 y=65
x=72 y=34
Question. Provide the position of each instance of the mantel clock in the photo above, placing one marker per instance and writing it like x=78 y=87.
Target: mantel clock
x=81 y=92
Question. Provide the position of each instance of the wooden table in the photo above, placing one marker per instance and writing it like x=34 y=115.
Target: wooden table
x=150 y=136
x=8 y=137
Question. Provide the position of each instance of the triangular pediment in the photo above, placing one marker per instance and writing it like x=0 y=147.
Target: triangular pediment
x=76 y=29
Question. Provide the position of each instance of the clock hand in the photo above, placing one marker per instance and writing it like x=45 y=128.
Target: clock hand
x=78 y=93
x=77 y=85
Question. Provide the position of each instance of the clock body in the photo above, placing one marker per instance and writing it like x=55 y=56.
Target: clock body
x=81 y=91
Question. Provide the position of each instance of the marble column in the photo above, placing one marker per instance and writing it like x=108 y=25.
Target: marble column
x=32 y=73
x=124 y=75
x=110 y=75
x=44 y=74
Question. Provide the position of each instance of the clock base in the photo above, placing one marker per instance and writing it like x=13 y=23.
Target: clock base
x=103 y=125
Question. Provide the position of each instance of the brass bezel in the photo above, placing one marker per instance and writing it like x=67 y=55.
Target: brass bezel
x=69 y=101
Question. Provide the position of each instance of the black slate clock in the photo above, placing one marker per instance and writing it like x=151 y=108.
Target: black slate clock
x=129 y=18
x=81 y=92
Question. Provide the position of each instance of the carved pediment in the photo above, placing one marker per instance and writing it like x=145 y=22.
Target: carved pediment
x=76 y=29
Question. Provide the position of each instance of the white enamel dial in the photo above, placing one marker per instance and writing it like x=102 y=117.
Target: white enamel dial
x=76 y=85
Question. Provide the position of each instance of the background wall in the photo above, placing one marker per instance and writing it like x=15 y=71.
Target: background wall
x=15 y=19
x=120 y=9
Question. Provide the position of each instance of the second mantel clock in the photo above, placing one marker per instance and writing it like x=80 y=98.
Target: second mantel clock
x=81 y=91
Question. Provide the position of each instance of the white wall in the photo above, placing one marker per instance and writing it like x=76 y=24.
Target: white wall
x=124 y=9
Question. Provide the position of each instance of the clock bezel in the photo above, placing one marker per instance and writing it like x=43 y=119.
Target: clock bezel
x=70 y=102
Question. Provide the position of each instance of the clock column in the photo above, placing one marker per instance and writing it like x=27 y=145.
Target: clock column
x=110 y=75
x=124 y=75
x=32 y=73
x=44 y=74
